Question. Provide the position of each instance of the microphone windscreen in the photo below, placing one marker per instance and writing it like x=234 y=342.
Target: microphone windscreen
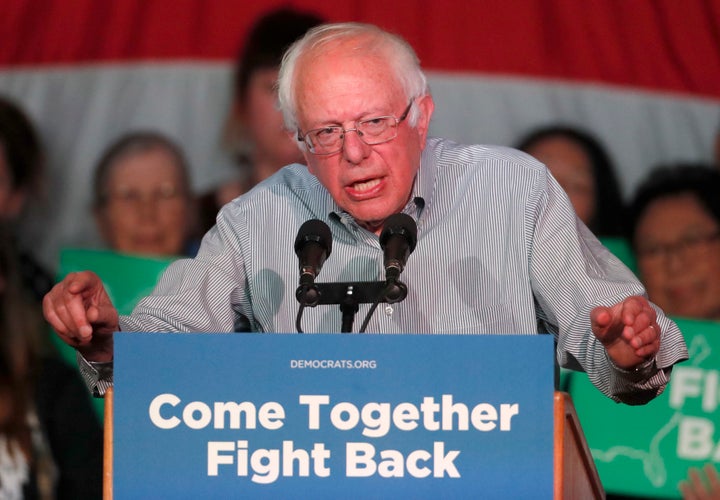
x=314 y=230
x=399 y=224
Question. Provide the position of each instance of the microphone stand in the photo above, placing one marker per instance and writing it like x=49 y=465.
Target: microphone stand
x=348 y=295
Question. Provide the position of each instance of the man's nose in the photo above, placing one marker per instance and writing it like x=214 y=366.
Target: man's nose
x=354 y=148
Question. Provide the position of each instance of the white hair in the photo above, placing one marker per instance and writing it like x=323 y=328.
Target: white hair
x=369 y=38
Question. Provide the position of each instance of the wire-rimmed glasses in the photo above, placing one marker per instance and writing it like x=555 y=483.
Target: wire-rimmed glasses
x=376 y=130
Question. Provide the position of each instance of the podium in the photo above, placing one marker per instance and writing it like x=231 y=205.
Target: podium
x=560 y=464
x=573 y=466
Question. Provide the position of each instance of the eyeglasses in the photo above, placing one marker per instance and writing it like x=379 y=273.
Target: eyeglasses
x=330 y=140
x=133 y=199
x=689 y=248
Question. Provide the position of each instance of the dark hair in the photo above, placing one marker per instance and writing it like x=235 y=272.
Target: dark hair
x=267 y=41
x=609 y=218
x=130 y=144
x=699 y=179
x=23 y=342
x=23 y=150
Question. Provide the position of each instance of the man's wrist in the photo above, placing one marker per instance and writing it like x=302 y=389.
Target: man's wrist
x=95 y=354
x=641 y=371
x=98 y=375
x=104 y=369
x=645 y=365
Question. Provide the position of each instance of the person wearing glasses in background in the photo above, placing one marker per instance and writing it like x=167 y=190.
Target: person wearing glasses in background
x=675 y=217
x=675 y=233
x=499 y=249
x=142 y=200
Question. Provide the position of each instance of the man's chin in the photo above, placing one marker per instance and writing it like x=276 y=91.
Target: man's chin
x=370 y=221
x=372 y=226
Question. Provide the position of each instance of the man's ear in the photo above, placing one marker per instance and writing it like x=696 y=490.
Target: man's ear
x=426 y=105
x=292 y=134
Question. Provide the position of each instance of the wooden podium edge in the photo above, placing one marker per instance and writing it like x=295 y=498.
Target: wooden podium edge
x=107 y=488
x=572 y=454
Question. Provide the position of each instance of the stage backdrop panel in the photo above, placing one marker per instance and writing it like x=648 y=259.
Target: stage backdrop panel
x=332 y=415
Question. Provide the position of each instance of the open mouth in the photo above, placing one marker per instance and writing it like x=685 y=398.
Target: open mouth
x=364 y=186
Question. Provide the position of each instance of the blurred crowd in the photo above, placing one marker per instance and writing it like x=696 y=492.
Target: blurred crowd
x=144 y=205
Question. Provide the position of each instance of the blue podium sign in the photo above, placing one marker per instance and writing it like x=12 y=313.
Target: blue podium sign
x=332 y=415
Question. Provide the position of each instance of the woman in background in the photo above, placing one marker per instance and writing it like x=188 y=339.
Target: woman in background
x=583 y=168
x=675 y=217
x=255 y=133
x=142 y=199
x=21 y=174
x=50 y=439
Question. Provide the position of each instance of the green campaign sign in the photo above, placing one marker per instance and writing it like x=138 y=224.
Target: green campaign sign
x=647 y=450
x=127 y=278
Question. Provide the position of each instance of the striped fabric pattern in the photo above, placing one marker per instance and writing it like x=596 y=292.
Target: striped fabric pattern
x=499 y=251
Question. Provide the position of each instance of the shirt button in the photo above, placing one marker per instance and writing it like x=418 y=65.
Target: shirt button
x=388 y=310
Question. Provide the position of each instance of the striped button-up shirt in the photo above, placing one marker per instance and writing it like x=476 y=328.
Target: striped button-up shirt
x=499 y=251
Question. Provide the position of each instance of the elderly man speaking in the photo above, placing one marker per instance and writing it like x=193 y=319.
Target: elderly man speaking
x=499 y=248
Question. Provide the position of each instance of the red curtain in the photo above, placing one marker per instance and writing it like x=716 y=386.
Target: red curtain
x=667 y=45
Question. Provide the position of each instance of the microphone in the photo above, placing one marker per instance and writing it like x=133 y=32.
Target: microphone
x=313 y=245
x=397 y=239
